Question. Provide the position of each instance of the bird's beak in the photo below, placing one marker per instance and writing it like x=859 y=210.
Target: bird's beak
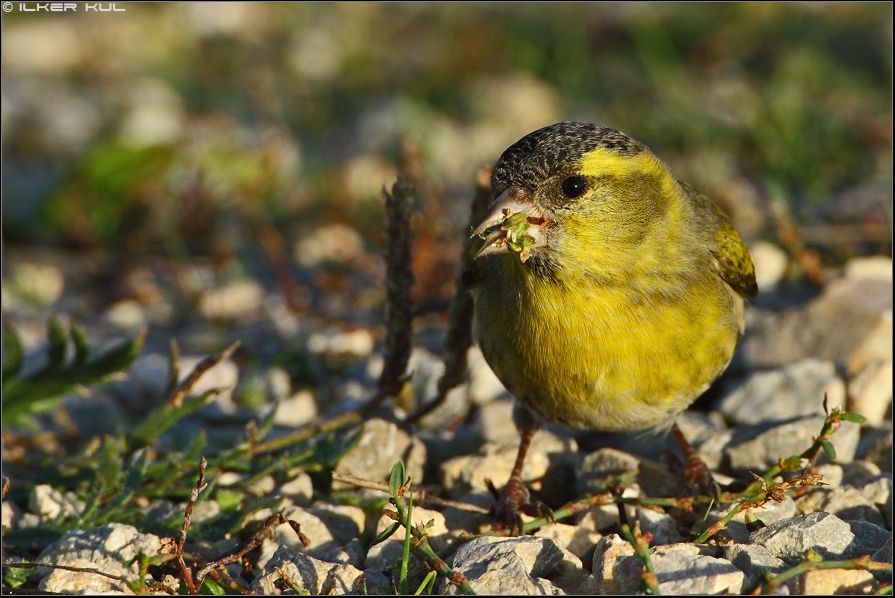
x=514 y=200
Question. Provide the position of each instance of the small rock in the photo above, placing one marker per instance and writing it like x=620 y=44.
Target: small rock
x=297 y=410
x=569 y=575
x=60 y=581
x=779 y=442
x=41 y=283
x=870 y=392
x=577 y=539
x=712 y=450
x=380 y=445
x=768 y=513
x=884 y=554
x=495 y=461
x=603 y=517
x=832 y=474
x=662 y=526
x=331 y=243
x=483 y=385
x=329 y=528
x=876 y=267
x=784 y=393
x=770 y=264
x=385 y=555
x=311 y=575
x=341 y=343
x=299 y=489
x=615 y=569
x=869 y=536
x=753 y=561
x=232 y=301
x=826 y=582
x=601 y=464
x=876 y=447
x=860 y=472
x=507 y=565
x=10 y=514
x=681 y=573
x=48 y=503
x=105 y=548
x=862 y=310
x=127 y=314
x=846 y=502
x=829 y=536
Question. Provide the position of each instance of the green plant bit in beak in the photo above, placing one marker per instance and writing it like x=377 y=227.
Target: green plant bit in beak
x=517 y=238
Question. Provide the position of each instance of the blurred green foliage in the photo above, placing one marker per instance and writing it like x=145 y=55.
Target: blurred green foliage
x=124 y=130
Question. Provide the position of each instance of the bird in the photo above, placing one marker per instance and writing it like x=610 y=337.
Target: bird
x=608 y=295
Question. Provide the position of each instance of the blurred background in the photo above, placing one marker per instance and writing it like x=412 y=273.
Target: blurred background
x=215 y=171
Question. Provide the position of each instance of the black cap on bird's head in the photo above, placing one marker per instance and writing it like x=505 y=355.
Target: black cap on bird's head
x=523 y=178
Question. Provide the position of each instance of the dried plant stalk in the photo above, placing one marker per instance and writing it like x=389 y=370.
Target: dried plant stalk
x=399 y=280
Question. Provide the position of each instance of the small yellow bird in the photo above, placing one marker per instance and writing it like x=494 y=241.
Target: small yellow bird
x=608 y=295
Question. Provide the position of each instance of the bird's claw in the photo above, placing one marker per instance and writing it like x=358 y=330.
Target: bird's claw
x=514 y=500
x=699 y=479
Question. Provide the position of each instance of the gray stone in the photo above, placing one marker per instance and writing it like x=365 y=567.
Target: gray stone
x=754 y=561
x=681 y=573
x=507 y=565
x=601 y=464
x=329 y=528
x=779 y=442
x=577 y=539
x=826 y=582
x=615 y=569
x=870 y=392
x=869 y=537
x=314 y=576
x=846 y=502
x=770 y=512
x=236 y=300
x=832 y=474
x=385 y=555
x=105 y=548
x=770 y=262
x=48 y=503
x=380 y=445
x=884 y=555
x=862 y=310
x=826 y=534
x=860 y=472
x=296 y=410
x=661 y=525
x=784 y=393
x=495 y=460
x=299 y=489
x=876 y=447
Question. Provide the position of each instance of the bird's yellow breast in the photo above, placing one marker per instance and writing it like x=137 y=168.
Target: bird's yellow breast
x=586 y=354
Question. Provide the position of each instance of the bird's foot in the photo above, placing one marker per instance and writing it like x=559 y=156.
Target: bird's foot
x=698 y=478
x=514 y=500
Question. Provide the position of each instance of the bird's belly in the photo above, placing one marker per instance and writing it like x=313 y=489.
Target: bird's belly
x=607 y=359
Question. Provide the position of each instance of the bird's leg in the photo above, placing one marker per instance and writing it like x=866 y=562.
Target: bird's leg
x=697 y=475
x=515 y=497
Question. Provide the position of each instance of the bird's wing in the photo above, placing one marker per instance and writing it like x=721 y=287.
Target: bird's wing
x=732 y=258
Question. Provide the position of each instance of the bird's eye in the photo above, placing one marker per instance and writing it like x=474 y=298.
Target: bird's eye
x=574 y=186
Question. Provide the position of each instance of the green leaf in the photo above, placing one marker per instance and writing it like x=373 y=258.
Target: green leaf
x=228 y=500
x=82 y=349
x=110 y=462
x=829 y=449
x=855 y=418
x=428 y=581
x=13 y=353
x=58 y=342
x=165 y=416
x=396 y=479
x=812 y=556
x=212 y=587
x=386 y=533
x=13 y=577
x=41 y=391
